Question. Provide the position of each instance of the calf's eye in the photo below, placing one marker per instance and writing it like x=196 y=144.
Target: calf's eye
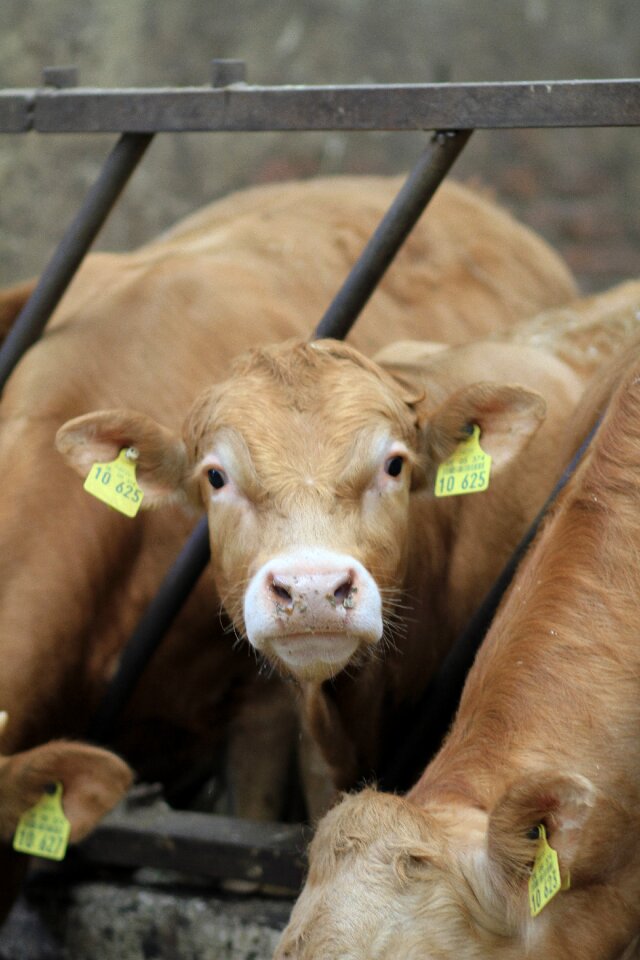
x=393 y=466
x=217 y=478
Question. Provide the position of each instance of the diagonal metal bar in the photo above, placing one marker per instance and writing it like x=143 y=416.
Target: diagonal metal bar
x=421 y=184
x=152 y=627
x=69 y=253
x=414 y=195
x=423 y=731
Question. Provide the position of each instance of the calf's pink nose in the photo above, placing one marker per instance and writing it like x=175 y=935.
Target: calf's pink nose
x=288 y=588
x=326 y=598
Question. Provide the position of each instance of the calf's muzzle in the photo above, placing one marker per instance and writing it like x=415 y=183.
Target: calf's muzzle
x=312 y=610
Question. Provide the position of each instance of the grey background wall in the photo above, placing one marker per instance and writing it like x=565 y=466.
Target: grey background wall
x=580 y=188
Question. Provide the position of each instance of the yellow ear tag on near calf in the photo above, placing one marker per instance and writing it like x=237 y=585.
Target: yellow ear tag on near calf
x=467 y=469
x=115 y=483
x=43 y=831
x=545 y=880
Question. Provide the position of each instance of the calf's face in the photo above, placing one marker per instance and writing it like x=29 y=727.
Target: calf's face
x=305 y=473
x=379 y=887
x=305 y=461
x=389 y=880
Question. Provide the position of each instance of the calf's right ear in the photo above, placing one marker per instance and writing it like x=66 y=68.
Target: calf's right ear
x=162 y=464
x=564 y=804
x=508 y=416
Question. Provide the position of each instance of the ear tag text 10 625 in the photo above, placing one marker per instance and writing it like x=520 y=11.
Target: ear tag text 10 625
x=43 y=831
x=545 y=880
x=115 y=483
x=466 y=470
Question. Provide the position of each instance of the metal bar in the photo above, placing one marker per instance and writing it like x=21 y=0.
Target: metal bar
x=16 y=110
x=421 y=733
x=447 y=106
x=69 y=253
x=198 y=843
x=422 y=183
x=151 y=629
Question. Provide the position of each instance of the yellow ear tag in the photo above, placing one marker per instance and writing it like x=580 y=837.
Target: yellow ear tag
x=43 y=831
x=115 y=483
x=467 y=469
x=545 y=880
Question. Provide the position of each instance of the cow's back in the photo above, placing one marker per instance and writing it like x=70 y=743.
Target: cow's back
x=467 y=268
x=261 y=266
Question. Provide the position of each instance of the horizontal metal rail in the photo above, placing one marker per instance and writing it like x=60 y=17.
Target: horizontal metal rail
x=238 y=107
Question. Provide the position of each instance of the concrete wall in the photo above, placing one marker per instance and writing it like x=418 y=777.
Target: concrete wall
x=580 y=188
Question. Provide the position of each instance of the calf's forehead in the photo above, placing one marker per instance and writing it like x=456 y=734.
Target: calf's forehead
x=329 y=405
x=370 y=825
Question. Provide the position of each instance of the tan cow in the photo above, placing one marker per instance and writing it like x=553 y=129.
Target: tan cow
x=546 y=735
x=317 y=470
x=150 y=330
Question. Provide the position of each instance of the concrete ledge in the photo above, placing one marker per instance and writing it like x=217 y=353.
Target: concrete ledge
x=156 y=917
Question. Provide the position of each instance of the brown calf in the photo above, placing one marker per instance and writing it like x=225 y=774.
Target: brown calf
x=150 y=330
x=317 y=470
x=546 y=734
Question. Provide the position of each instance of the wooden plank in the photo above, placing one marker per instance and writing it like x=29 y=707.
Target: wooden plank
x=200 y=844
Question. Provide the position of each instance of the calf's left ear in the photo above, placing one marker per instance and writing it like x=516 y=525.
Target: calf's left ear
x=162 y=468
x=93 y=781
x=508 y=416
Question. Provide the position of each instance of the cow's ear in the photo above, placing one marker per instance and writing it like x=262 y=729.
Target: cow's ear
x=563 y=804
x=93 y=782
x=162 y=466
x=508 y=416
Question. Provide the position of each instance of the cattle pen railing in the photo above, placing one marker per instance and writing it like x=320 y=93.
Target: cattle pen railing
x=142 y=834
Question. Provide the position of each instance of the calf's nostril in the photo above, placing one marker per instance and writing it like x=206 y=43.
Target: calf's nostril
x=343 y=592
x=281 y=592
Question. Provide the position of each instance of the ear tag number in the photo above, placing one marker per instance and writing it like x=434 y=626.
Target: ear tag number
x=115 y=483
x=467 y=469
x=43 y=831
x=545 y=880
